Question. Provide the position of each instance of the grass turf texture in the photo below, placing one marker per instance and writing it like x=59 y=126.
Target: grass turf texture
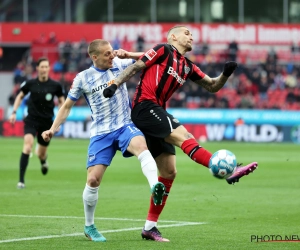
x=265 y=203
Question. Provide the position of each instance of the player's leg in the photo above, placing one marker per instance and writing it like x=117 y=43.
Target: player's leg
x=24 y=159
x=90 y=199
x=180 y=137
x=154 y=121
x=101 y=151
x=29 y=133
x=167 y=169
x=137 y=146
x=42 y=146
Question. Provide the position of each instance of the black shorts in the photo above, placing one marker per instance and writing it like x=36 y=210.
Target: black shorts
x=36 y=128
x=156 y=124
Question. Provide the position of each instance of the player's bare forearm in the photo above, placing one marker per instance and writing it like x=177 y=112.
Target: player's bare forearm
x=18 y=101
x=130 y=72
x=62 y=114
x=135 y=55
x=212 y=85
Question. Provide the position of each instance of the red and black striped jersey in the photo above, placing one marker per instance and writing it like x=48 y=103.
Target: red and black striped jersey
x=166 y=71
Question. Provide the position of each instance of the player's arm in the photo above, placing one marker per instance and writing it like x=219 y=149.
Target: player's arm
x=60 y=118
x=215 y=84
x=61 y=101
x=17 y=103
x=123 y=54
x=212 y=84
x=123 y=77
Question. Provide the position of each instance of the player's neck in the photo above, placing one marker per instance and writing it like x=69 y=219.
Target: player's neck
x=180 y=49
x=43 y=79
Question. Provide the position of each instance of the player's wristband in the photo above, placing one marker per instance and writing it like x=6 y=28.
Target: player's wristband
x=14 y=112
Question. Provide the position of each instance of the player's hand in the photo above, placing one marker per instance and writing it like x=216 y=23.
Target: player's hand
x=110 y=91
x=47 y=135
x=229 y=67
x=121 y=53
x=12 y=118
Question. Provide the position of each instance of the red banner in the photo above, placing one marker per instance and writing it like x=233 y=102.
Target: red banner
x=263 y=34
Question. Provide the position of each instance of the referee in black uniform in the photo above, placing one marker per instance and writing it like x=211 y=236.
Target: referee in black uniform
x=40 y=114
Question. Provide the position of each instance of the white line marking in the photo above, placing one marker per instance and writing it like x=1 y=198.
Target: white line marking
x=106 y=231
x=78 y=217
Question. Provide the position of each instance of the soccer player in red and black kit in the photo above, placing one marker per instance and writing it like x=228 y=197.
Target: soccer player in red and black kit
x=165 y=69
x=40 y=114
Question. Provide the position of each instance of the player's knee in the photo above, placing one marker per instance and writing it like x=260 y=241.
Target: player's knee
x=137 y=145
x=169 y=174
x=27 y=148
x=93 y=181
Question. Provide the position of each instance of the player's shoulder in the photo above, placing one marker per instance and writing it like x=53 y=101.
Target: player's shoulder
x=30 y=81
x=54 y=82
x=189 y=61
x=162 y=45
x=85 y=73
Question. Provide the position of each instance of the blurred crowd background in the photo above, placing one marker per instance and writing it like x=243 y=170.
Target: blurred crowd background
x=268 y=77
x=265 y=78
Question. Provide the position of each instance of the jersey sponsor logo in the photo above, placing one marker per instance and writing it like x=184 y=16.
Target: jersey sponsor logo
x=173 y=73
x=150 y=54
x=103 y=86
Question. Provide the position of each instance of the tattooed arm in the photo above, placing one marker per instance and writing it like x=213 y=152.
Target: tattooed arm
x=129 y=72
x=212 y=85
x=123 y=77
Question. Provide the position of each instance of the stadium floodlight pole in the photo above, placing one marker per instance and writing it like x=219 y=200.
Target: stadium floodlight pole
x=25 y=11
x=110 y=11
x=241 y=11
x=197 y=11
x=285 y=11
x=153 y=11
x=67 y=11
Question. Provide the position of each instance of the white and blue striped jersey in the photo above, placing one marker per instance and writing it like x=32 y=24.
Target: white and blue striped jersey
x=108 y=114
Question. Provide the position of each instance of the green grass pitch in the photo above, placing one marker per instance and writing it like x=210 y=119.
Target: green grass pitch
x=202 y=212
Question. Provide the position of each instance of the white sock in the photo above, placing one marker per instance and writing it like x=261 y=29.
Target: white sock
x=149 y=167
x=149 y=224
x=90 y=198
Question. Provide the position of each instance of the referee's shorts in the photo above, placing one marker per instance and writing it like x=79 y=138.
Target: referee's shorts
x=36 y=127
x=156 y=124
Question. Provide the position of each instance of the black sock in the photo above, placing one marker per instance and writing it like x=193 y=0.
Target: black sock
x=23 y=165
x=43 y=161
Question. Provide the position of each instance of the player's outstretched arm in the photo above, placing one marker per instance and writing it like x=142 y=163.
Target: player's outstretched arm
x=18 y=100
x=215 y=84
x=123 y=54
x=123 y=77
x=60 y=118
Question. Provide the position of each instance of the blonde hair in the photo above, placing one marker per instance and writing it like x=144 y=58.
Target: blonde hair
x=172 y=31
x=94 y=46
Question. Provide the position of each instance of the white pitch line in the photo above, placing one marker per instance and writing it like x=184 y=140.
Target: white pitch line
x=106 y=231
x=78 y=217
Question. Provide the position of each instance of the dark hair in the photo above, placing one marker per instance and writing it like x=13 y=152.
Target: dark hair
x=42 y=59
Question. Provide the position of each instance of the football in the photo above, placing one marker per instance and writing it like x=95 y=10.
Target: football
x=222 y=164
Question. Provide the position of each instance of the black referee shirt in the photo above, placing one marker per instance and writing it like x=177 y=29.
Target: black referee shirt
x=40 y=103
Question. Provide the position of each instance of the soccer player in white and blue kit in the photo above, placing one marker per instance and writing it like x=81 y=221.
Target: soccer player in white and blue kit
x=111 y=128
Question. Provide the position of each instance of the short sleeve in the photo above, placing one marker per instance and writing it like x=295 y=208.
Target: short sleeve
x=196 y=73
x=153 y=55
x=76 y=89
x=24 y=87
x=60 y=90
